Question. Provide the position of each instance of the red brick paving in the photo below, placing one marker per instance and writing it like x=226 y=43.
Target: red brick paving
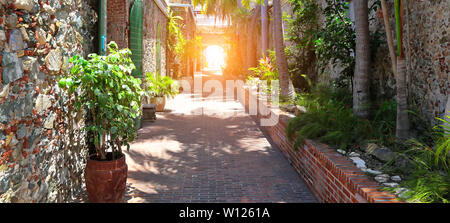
x=220 y=156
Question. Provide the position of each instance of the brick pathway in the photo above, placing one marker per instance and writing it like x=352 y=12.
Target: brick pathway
x=220 y=156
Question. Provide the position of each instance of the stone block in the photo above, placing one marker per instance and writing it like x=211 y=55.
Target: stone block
x=53 y=60
x=12 y=67
x=24 y=4
x=16 y=41
x=43 y=102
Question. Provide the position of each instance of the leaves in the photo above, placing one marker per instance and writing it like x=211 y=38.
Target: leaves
x=159 y=86
x=108 y=92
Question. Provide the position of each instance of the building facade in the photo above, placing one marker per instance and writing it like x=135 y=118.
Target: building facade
x=152 y=49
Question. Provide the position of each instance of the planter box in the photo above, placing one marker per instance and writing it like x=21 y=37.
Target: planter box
x=331 y=177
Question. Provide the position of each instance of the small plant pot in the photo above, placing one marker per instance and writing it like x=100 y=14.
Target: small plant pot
x=106 y=180
x=160 y=103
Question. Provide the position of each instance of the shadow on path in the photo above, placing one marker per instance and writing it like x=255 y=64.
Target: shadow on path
x=218 y=156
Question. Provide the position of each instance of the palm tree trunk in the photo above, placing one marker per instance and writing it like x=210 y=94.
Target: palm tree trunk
x=361 y=77
x=264 y=28
x=387 y=27
x=240 y=32
x=287 y=88
x=402 y=129
x=251 y=44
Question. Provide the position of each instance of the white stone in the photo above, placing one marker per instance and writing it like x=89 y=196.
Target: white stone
x=53 y=60
x=30 y=64
x=382 y=178
x=341 y=151
x=50 y=10
x=396 y=178
x=24 y=4
x=4 y=92
x=401 y=190
x=49 y=122
x=358 y=162
x=2 y=35
x=354 y=154
x=43 y=102
x=374 y=172
x=390 y=184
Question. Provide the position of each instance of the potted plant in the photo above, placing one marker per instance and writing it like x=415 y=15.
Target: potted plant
x=103 y=87
x=159 y=87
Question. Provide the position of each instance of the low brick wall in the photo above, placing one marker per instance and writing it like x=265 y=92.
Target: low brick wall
x=330 y=176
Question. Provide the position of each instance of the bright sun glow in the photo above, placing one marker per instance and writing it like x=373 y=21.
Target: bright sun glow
x=215 y=58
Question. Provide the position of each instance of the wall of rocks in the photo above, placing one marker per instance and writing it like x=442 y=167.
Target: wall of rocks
x=427 y=46
x=427 y=56
x=42 y=151
x=149 y=38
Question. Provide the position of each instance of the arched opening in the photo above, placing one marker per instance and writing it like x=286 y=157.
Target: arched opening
x=214 y=57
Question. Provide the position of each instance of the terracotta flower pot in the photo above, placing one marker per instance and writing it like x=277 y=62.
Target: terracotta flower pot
x=160 y=103
x=106 y=180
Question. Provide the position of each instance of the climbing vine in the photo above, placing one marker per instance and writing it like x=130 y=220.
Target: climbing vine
x=175 y=40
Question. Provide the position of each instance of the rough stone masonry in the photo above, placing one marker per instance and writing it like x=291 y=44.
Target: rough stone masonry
x=42 y=151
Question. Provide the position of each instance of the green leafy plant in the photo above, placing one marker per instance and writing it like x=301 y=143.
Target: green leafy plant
x=302 y=30
x=193 y=48
x=176 y=43
x=266 y=70
x=430 y=180
x=160 y=86
x=329 y=119
x=104 y=88
x=336 y=41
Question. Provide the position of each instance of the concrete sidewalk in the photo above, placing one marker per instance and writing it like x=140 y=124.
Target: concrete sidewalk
x=208 y=150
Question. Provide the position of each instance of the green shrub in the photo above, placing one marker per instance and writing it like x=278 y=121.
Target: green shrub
x=104 y=87
x=329 y=119
x=159 y=86
x=430 y=181
x=266 y=70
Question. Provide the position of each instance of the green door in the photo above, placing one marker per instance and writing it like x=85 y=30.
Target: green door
x=136 y=20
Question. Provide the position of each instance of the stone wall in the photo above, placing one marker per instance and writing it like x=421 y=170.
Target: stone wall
x=154 y=17
x=427 y=56
x=42 y=153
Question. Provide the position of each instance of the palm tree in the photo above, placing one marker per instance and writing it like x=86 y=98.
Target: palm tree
x=387 y=27
x=287 y=89
x=402 y=129
x=264 y=27
x=251 y=44
x=362 y=59
x=398 y=68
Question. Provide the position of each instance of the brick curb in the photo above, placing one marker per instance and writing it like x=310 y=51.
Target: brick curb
x=330 y=176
